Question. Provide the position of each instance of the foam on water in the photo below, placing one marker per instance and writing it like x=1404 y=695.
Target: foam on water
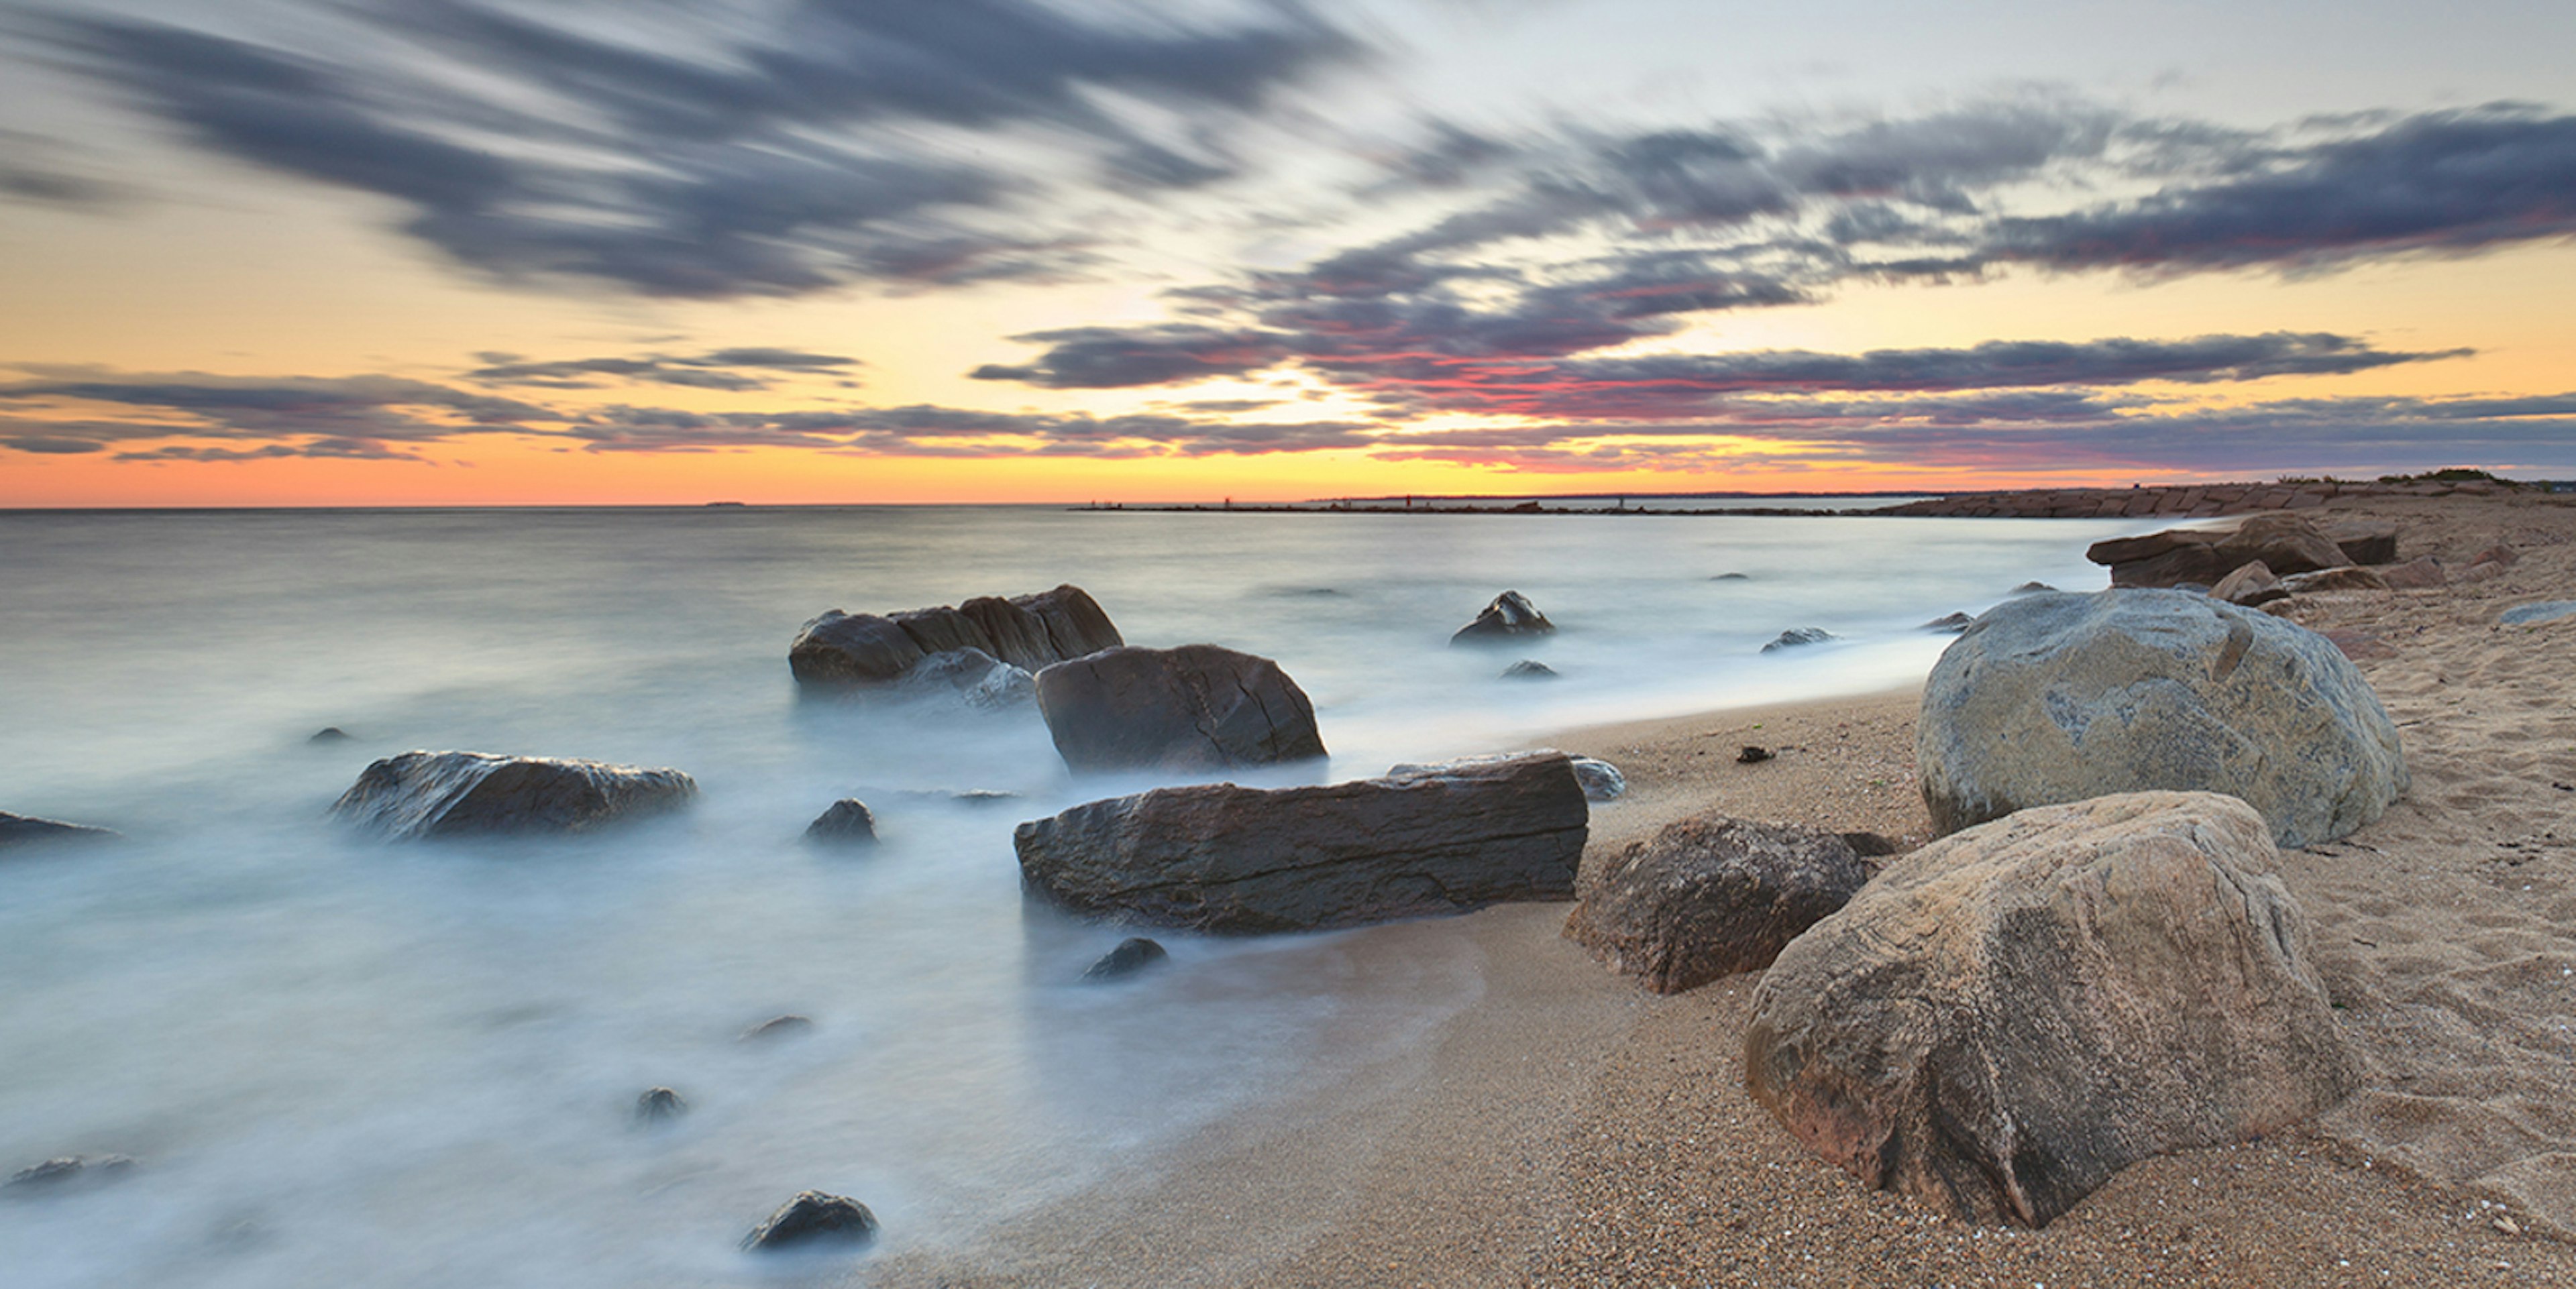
x=345 y=1062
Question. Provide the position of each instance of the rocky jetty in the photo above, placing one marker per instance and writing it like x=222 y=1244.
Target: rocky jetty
x=2006 y=1018
x=1028 y=632
x=1708 y=897
x=2190 y=501
x=447 y=794
x=1510 y=617
x=2057 y=698
x=1198 y=707
x=1217 y=857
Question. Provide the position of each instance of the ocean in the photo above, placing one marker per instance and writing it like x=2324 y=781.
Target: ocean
x=339 y=1061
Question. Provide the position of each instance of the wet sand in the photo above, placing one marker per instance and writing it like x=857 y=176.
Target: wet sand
x=1567 y=1128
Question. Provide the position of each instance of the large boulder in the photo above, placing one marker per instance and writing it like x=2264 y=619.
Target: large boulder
x=2006 y=1018
x=21 y=830
x=443 y=794
x=1601 y=780
x=2057 y=698
x=1709 y=896
x=1510 y=617
x=1198 y=707
x=1028 y=632
x=2285 y=544
x=1217 y=857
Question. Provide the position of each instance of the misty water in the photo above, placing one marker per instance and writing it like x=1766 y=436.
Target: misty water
x=341 y=1061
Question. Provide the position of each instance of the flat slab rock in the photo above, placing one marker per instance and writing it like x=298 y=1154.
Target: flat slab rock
x=2003 y=1020
x=1217 y=857
x=1197 y=707
x=1708 y=897
x=446 y=794
x=2057 y=698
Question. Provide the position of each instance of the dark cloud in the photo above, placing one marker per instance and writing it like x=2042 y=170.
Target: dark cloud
x=735 y=151
x=1124 y=357
x=737 y=369
x=45 y=171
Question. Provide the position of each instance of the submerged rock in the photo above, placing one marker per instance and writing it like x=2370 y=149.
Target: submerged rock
x=1132 y=955
x=1797 y=637
x=61 y=1172
x=2031 y=588
x=329 y=734
x=814 y=1218
x=1029 y=632
x=659 y=1105
x=1217 y=857
x=445 y=794
x=1952 y=623
x=1198 y=707
x=23 y=830
x=847 y=822
x=2058 y=698
x=778 y=1027
x=1708 y=897
x=1510 y=617
x=1526 y=669
x=2005 y=1019
x=979 y=678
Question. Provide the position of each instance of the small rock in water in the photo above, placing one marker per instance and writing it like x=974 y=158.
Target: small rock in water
x=329 y=734
x=777 y=1027
x=442 y=794
x=1796 y=636
x=1752 y=755
x=982 y=797
x=1732 y=577
x=2528 y=614
x=659 y=1105
x=20 y=829
x=846 y=823
x=2032 y=588
x=1132 y=955
x=814 y=1216
x=63 y=1171
x=1526 y=669
x=1950 y=622
x=1511 y=614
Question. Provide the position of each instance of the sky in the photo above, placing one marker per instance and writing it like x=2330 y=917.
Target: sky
x=434 y=252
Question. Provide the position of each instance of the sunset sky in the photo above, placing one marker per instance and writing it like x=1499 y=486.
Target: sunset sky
x=369 y=252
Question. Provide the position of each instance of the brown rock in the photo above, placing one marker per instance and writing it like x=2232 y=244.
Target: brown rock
x=444 y=794
x=1217 y=857
x=2352 y=578
x=1198 y=707
x=1029 y=632
x=2008 y=1017
x=2363 y=541
x=2416 y=574
x=1708 y=897
x=2502 y=556
x=2251 y=583
x=2285 y=544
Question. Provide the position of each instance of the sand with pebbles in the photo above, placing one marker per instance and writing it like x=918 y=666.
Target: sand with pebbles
x=1567 y=1128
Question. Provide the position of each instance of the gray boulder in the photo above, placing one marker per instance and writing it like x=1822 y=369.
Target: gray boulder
x=1198 y=707
x=2006 y=1018
x=2056 y=698
x=814 y=1218
x=1028 y=632
x=444 y=794
x=1510 y=617
x=1708 y=897
x=1217 y=857
x=22 y=830
x=1601 y=780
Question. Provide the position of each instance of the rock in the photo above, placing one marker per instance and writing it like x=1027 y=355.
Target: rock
x=1601 y=780
x=659 y=1105
x=1217 y=857
x=2482 y=571
x=22 y=830
x=973 y=675
x=2251 y=584
x=778 y=1027
x=2006 y=1018
x=1870 y=845
x=329 y=734
x=2031 y=588
x=1028 y=632
x=2289 y=544
x=1708 y=897
x=814 y=1217
x=1751 y=755
x=2357 y=645
x=2417 y=574
x=56 y=1174
x=1525 y=669
x=2285 y=544
x=1797 y=636
x=446 y=794
x=2500 y=556
x=1198 y=707
x=1953 y=623
x=846 y=822
x=1510 y=617
x=2523 y=615
x=2350 y=578
x=982 y=797
x=2058 y=698
x=1132 y=955
x=1732 y=577
x=2363 y=541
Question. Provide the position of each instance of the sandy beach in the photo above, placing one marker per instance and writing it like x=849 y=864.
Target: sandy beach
x=1568 y=1128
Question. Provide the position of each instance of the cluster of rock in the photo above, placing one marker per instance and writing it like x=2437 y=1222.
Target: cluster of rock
x=2285 y=545
x=2193 y=501
x=985 y=648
